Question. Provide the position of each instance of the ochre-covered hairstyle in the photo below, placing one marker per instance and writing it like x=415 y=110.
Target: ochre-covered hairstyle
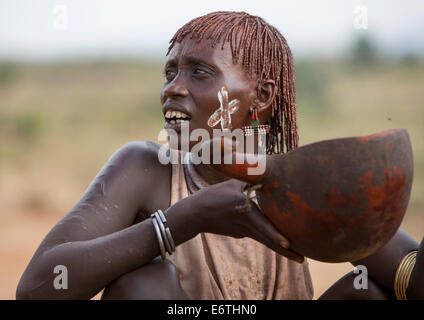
x=263 y=52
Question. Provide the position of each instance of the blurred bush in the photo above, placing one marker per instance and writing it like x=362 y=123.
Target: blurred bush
x=7 y=72
x=364 y=51
x=311 y=83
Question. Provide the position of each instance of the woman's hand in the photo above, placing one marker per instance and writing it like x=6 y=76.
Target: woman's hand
x=223 y=209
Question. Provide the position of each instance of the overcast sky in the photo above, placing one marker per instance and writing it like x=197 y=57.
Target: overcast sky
x=62 y=29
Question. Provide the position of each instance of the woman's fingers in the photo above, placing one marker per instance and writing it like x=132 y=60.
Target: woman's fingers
x=266 y=233
x=288 y=253
x=270 y=243
x=241 y=184
x=267 y=228
x=233 y=183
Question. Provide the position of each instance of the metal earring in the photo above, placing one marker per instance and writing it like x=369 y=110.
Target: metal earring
x=255 y=127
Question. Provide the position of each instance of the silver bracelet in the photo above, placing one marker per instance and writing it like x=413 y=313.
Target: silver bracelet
x=167 y=230
x=163 y=232
x=161 y=246
x=166 y=238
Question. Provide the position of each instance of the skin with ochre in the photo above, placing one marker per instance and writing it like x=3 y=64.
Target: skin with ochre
x=105 y=241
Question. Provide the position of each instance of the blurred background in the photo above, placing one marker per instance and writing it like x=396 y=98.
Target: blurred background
x=79 y=79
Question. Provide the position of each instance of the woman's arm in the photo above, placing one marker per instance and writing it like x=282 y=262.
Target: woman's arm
x=96 y=240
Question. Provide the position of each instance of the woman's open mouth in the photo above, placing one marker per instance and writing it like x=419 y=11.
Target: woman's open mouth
x=174 y=119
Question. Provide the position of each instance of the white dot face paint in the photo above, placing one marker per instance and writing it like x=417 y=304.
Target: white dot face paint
x=224 y=112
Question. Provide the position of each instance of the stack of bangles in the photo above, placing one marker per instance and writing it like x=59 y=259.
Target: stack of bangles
x=163 y=233
x=403 y=275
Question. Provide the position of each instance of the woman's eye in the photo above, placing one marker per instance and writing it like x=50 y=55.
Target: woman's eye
x=199 y=71
x=169 y=74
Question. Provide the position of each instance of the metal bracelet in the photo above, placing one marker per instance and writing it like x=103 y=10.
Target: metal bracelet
x=163 y=232
x=167 y=230
x=162 y=216
x=161 y=246
x=171 y=241
x=403 y=274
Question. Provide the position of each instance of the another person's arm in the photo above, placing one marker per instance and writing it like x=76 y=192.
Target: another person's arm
x=383 y=264
x=381 y=270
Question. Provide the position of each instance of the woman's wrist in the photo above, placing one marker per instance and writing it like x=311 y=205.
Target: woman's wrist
x=184 y=221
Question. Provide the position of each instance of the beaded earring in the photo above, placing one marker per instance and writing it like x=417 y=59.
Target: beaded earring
x=255 y=127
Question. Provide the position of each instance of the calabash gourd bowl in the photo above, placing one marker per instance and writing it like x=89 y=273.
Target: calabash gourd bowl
x=336 y=200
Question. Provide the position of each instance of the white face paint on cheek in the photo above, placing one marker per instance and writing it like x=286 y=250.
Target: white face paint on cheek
x=225 y=110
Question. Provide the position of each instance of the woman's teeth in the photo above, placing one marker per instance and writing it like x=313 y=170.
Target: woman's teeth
x=176 y=117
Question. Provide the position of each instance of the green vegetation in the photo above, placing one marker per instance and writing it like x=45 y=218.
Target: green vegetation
x=364 y=52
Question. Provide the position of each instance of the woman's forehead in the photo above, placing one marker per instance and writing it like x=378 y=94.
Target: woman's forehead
x=201 y=50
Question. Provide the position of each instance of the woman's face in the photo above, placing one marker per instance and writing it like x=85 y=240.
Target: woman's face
x=194 y=73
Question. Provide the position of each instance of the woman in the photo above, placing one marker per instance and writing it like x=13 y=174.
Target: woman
x=225 y=249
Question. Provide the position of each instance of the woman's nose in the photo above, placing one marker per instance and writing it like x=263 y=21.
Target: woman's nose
x=176 y=88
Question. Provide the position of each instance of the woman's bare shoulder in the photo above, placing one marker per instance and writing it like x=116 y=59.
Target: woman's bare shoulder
x=125 y=185
x=139 y=162
x=139 y=152
x=141 y=156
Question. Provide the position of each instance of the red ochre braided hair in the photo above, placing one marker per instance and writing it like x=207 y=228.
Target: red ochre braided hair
x=264 y=52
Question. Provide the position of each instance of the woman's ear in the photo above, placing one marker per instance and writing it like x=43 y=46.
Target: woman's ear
x=266 y=95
